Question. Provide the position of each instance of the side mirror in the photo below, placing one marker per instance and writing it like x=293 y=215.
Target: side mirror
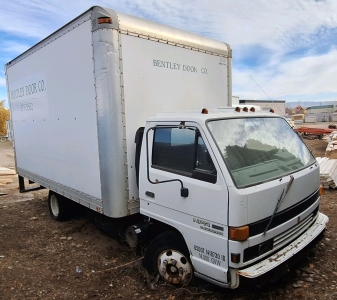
x=184 y=192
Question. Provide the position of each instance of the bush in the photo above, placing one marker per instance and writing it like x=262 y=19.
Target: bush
x=4 y=116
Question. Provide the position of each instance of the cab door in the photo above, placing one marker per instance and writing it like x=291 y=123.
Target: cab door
x=177 y=159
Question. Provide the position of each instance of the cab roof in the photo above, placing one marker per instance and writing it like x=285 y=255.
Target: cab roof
x=218 y=113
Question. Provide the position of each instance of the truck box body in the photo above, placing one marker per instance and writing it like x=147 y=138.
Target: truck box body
x=133 y=119
x=78 y=97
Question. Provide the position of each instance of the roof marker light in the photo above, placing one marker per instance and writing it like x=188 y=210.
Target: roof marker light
x=252 y=109
x=245 y=109
x=103 y=20
x=271 y=110
x=237 y=109
x=204 y=111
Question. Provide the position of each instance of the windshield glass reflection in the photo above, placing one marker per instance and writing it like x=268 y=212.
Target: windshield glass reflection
x=256 y=150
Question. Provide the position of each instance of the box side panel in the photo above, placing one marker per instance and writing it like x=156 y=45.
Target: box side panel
x=53 y=107
x=159 y=77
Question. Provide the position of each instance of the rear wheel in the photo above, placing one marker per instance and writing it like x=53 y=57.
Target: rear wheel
x=168 y=256
x=59 y=207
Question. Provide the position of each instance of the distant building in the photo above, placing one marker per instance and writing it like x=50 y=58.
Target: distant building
x=279 y=106
x=323 y=113
x=321 y=109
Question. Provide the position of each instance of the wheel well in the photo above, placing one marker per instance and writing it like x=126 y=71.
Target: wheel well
x=158 y=228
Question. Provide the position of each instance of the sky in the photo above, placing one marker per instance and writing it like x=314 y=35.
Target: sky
x=282 y=49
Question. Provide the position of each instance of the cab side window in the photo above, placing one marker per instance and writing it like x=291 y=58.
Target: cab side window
x=184 y=152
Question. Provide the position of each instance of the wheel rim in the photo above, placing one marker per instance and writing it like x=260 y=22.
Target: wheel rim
x=54 y=205
x=174 y=267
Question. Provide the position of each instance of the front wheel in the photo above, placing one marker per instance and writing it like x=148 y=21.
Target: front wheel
x=167 y=255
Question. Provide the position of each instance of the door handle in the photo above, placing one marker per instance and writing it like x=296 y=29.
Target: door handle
x=150 y=194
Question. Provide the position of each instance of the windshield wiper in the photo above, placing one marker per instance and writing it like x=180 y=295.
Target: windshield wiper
x=279 y=201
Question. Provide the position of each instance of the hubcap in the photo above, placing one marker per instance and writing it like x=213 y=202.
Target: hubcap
x=174 y=267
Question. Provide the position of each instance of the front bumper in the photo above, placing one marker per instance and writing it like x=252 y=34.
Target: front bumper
x=287 y=252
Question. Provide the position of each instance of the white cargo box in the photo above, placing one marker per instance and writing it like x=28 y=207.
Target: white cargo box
x=78 y=97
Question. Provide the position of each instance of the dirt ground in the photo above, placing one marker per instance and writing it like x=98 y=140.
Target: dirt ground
x=44 y=259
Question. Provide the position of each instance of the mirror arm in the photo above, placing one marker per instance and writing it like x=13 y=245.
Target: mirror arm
x=183 y=190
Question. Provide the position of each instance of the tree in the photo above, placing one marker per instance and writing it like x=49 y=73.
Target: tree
x=4 y=116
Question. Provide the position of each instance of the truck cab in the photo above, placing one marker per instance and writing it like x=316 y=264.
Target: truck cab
x=229 y=184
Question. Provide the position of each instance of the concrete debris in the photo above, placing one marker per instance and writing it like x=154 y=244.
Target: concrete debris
x=328 y=172
x=331 y=149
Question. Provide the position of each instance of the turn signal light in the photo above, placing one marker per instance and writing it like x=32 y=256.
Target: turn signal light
x=239 y=233
x=235 y=257
x=321 y=190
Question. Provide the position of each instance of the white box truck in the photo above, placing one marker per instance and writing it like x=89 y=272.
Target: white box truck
x=128 y=118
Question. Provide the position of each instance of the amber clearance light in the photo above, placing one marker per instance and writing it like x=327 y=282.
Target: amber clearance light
x=239 y=233
x=103 y=20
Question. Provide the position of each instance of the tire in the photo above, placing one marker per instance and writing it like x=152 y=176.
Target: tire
x=60 y=208
x=168 y=256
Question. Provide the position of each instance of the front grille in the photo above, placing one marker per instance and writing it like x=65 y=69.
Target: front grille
x=295 y=231
x=281 y=240
x=283 y=216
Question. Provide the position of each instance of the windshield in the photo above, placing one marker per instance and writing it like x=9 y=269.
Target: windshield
x=256 y=150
